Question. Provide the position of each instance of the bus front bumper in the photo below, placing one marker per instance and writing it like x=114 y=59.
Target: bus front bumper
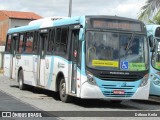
x=94 y=92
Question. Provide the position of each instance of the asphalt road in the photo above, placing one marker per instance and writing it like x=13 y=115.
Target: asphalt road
x=10 y=106
x=38 y=99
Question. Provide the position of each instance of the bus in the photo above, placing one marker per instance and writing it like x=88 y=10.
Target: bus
x=154 y=30
x=89 y=57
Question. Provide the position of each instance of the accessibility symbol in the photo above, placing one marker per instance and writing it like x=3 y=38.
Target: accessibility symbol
x=124 y=65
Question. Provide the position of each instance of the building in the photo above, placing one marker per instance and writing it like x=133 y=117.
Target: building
x=11 y=19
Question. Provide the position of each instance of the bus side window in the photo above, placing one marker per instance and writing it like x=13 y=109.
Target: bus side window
x=35 y=42
x=20 y=44
x=50 y=46
x=61 y=40
x=8 y=44
x=64 y=40
x=58 y=40
x=29 y=42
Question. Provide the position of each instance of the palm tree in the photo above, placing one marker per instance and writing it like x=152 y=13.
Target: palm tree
x=156 y=19
x=149 y=10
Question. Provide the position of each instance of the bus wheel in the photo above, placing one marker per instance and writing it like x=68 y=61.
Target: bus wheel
x=21 y=80
x=62 y=92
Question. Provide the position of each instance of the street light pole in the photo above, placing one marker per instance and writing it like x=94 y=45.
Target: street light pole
x=70 y=8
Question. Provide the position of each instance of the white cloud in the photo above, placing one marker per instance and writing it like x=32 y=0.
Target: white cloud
x=126 y=8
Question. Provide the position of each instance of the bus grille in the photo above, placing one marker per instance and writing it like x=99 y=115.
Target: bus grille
x=119 y=77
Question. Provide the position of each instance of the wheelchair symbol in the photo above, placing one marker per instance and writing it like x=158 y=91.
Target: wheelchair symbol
x=124 y=65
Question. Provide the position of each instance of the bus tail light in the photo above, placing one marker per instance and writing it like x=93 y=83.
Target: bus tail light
x=144 y=80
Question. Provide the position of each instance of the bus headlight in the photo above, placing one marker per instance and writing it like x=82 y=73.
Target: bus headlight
x=144 y=80
x=156 y=79
x=156 y=82
x=90 y=78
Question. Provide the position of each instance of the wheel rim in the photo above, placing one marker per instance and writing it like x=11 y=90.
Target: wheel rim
x=20 y=82
x=63 y=89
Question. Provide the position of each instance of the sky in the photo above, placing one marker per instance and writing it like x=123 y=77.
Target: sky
x=50 y=8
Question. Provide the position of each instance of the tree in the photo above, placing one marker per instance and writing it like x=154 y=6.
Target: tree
x=150 y=12
x=156 y=18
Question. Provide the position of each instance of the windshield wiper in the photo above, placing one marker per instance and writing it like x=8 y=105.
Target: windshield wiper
x=130 y=41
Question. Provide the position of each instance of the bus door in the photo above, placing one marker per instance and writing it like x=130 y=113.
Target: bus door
x=14 y=47
x=74 y=58
x=41 y=69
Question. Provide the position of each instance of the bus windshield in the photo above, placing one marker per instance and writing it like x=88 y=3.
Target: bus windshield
x=116 y=51
x=156 y=55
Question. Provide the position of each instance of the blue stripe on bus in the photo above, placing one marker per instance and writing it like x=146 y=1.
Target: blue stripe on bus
x=83 y=72
x=52 y=67
x=67 y=21
x=24 y=28
x=50 y=73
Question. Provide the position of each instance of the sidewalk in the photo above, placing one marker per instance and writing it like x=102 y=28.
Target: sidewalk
x=1 y=71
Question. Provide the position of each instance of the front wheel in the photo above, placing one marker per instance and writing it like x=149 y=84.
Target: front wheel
x=62 y=92
x=22 y=86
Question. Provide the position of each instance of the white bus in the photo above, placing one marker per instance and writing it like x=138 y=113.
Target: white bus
x=100 y=57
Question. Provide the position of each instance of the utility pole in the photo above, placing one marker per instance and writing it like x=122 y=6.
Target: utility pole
x=70 y=8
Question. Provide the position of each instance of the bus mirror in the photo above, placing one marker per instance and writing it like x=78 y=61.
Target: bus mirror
x=150 y=40
x=81 y=34
x=151 y=43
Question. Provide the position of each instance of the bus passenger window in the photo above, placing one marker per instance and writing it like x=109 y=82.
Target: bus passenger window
x=29 y=42
x=57 y=41
x=50 y=47
x=35 y=42
x=64 y=40
x=61 y=40
x=20 y=44
x=8 y=44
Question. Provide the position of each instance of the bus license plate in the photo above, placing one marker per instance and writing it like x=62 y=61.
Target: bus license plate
x=119 y=92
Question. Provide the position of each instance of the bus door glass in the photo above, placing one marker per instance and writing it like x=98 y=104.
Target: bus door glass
x=7 y=56
x=74 y=57
x=15 y=39
x=42 y=47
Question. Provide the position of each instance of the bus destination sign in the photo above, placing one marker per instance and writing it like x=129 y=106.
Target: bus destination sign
x=116 y=24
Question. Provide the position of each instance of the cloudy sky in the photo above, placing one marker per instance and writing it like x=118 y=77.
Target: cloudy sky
x=48 y=8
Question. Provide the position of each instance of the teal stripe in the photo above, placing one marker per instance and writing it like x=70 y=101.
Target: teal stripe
x=50 y=73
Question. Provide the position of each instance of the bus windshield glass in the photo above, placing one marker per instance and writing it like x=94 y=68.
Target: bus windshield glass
x=156 y=56
x=116 y=51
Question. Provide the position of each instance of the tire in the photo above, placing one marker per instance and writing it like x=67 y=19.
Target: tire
x=62 y=92
x=22 y=86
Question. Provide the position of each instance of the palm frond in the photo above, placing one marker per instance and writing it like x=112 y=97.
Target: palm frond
x=148 y=9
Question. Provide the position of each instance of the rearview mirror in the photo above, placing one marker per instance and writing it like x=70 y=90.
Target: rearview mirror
x=151 y=43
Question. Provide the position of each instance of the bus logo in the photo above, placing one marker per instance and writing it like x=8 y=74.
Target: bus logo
x=124 y=65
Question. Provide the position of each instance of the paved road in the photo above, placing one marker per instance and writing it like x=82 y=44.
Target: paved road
x=48 y=101
x=9 y=103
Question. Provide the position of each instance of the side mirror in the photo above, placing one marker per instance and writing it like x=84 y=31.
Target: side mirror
x=151 y=43
x=151 y=40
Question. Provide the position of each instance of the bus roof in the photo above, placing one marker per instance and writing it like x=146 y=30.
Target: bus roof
x=35 y=25
x=24 y=28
